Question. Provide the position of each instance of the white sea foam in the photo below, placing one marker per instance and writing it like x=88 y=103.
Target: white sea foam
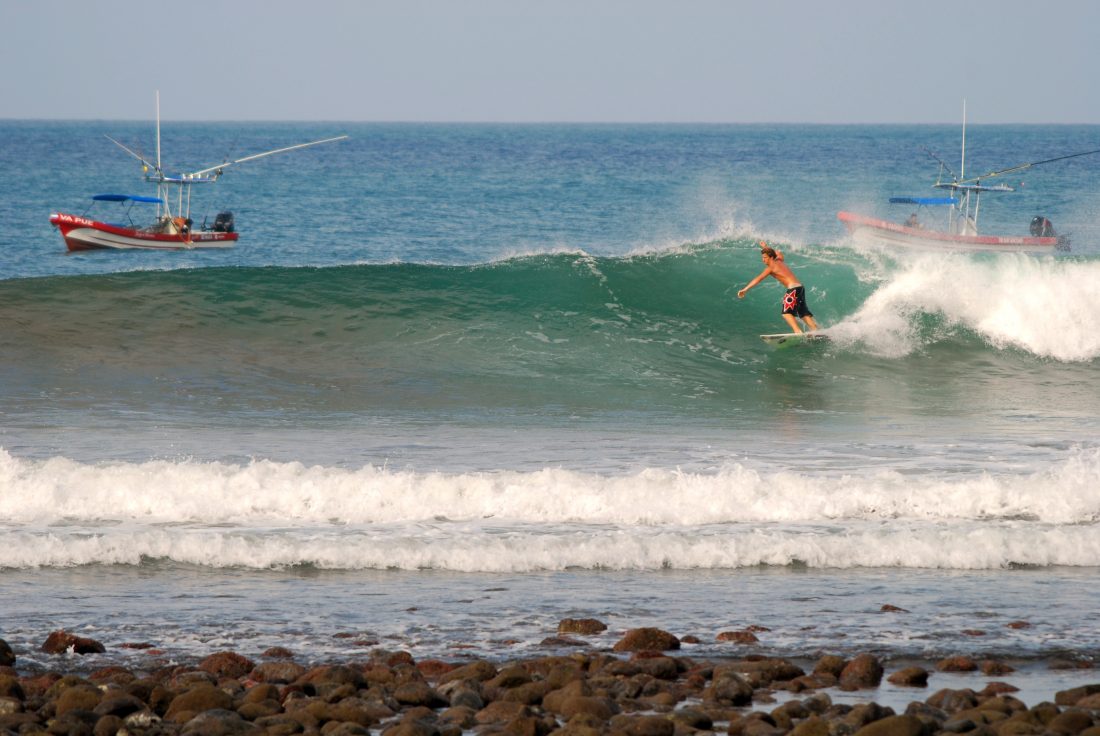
x=1044 y=306
x=265 y=514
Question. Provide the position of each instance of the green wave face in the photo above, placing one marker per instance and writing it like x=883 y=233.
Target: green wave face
x=563 y=332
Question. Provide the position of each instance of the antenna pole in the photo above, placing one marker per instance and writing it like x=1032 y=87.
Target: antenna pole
x=160 y=185
x=961 y=165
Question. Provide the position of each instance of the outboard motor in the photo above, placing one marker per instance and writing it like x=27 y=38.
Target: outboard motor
x=1041 y=227
x=223 y=223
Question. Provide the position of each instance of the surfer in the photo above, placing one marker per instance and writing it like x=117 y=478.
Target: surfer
x=794 y=301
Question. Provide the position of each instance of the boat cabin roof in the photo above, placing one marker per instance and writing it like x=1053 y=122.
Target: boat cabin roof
x=923 y=200
x=126 y=198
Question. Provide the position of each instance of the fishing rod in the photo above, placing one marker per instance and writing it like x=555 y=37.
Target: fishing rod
x=943 y=165
x=219 y=167
x=1023 y=167
x=138 y=156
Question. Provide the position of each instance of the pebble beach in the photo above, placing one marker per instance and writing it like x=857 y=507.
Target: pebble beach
x=641 y=682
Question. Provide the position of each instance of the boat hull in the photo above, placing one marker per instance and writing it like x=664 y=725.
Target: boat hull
x=870 y=230
x=81 y=233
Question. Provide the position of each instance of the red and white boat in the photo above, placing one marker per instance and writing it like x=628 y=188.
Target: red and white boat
x=166 y=232
x=960 y=223
x=873 y=231
x=171 y=227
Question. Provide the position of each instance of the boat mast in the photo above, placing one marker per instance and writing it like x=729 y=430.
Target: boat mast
x=162 y=191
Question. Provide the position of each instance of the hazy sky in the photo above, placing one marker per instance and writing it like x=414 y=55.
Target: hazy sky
x=553 y=60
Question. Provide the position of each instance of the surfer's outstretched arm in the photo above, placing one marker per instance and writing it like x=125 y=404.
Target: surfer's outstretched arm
x=763 y=275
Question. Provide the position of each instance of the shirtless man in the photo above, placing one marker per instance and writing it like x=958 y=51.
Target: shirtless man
x=794 y=301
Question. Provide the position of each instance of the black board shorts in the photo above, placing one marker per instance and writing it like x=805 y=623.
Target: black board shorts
x=794 y=302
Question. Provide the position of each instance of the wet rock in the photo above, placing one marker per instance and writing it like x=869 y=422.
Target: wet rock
x=10 y=688
x=1091 y=702
x=992 y=668
x=952 y=701
x=812 y=726
x=863 y=671
x=107 y=726
x=557 y=642
x=910 y=677
x=61 y=641
x=345 y=729
x=278 y=672
x=461 y=716
x=78 y=697
x=647 y=638
x=1070 y=721
x=227 y=664
x=72 y=723
x=958 y=663
x=7 y=656
x=463 y=694
x=256 y=709
x=202 y=698
x=419 y=694
x=433 y=669
x=738 y=637
x=1071 y=696
x=818 y=703
x=643 y=725
x=693 y=718
x=602 y=708
x=20 y=722
x=509 y=677
x=656 y=664
x=480 y=671
x=277 y=653
x=112 y=675
x=358 y=711
x=865 y=713
x=1069 y=664
x=761 y=672
x=218 y=722
x=830 y=664
x=729 y=690
x=118 y=704
x=554 y=699
x=582 y=626
x=998 y=688
x=260 y=692
x=332 y=675
x=894 y=726
x=501 y=712
x=888 y=608
x=530 y=693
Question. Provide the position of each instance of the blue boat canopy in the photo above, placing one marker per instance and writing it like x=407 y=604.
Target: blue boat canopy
x=127 y=198
x=923 y=200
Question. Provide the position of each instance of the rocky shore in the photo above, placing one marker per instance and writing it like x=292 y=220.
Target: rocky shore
x=640 y=687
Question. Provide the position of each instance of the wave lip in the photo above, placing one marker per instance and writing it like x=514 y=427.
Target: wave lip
x=1042 y=306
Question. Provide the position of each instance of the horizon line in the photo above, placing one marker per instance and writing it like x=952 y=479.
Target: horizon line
x=517 y=122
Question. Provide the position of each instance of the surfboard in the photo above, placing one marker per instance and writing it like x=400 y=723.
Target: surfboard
x=790 y=339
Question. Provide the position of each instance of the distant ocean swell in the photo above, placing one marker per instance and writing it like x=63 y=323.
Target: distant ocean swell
x=265 y=514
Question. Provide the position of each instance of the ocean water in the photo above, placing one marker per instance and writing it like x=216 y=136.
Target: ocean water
x=458 y=382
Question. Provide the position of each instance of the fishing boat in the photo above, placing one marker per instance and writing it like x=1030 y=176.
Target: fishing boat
x=171 y=227
x=957 y=227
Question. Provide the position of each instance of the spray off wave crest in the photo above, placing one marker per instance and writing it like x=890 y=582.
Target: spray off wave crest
x=267 y=514
x=1045 y=307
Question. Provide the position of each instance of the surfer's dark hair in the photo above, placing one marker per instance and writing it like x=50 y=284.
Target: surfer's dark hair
x=768 y=251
